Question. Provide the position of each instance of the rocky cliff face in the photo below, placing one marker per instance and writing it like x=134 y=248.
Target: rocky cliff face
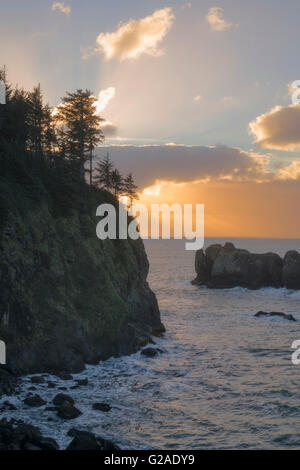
x=68 y=298
x=226 y=267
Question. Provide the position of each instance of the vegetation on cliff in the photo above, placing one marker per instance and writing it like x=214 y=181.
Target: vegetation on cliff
x=66 y=297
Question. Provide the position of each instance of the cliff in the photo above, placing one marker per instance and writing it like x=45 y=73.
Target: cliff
x=66 y=297
x=227 y=266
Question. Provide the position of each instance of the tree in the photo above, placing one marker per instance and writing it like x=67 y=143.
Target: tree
x=103 y=172
x=116 y=182
x=130 y=189
x=41 y=133
x=35 y=117
x=49 y=131
x=13 y=114
x=80 y=128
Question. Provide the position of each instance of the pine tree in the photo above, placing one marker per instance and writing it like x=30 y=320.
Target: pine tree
x=103 y=172
x=35 y=120
x=116 y=182
x=80 y=128
x=13 y=114
x=130 y=189
x=49 y=132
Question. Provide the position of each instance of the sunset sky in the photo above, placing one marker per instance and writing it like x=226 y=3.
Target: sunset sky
x=196 y=95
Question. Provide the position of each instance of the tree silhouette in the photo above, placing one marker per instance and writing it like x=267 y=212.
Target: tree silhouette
x=41 y=132
x=80 y=130
x=116 y=182
x=103 y=172
x=13 y=126
x=130 y=189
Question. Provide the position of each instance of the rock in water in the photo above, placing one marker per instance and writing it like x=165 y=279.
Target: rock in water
x=101 y=407
x=68 y=411
x=227 y=267
x=7 y=406
x=291 y=270
x=16 y=435
x=84 y=440
x=82 y=382
x=150 y=352
x=37 y=379
x=35 y=401
x=276 y=314
x=61 y=399
x=8 y=382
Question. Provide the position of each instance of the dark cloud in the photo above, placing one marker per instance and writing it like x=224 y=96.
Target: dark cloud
x=183 y=163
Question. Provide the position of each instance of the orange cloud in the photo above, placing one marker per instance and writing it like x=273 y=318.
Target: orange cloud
x=216 y=20
x=278 y=129
x=290 y=172
x=137 y=37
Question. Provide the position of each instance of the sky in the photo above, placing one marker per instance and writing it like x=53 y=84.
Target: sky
x=196 y=96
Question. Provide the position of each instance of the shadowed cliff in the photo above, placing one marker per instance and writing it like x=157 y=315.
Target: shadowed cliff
x=66 y=297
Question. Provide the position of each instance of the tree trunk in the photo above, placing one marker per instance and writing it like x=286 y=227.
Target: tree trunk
x=91 y=167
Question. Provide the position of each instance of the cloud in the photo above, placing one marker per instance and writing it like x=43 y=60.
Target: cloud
x=104 y=97
x=278 y=129
x=60 y=6
x=289 y=172
x=216 y=20
x=179 y=163
x=137 y=37
x=109 y=129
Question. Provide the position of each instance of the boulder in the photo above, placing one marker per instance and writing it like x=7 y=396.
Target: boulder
x=101 y=407
x=61 y=399
x=68 y=411
x=51 y=384
x=276 y=314
x=17 y=435
x=291 y=270
x=8 y=382
x=150 y=352
x=84 y=440
x=35 y=401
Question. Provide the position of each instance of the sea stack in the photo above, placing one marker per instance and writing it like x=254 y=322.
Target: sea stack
x=227 y=266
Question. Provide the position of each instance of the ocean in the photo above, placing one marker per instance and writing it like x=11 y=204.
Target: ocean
x=225 y=379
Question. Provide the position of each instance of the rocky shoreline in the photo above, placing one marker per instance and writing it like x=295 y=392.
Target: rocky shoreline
x=59 y=400
x=222 y=267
